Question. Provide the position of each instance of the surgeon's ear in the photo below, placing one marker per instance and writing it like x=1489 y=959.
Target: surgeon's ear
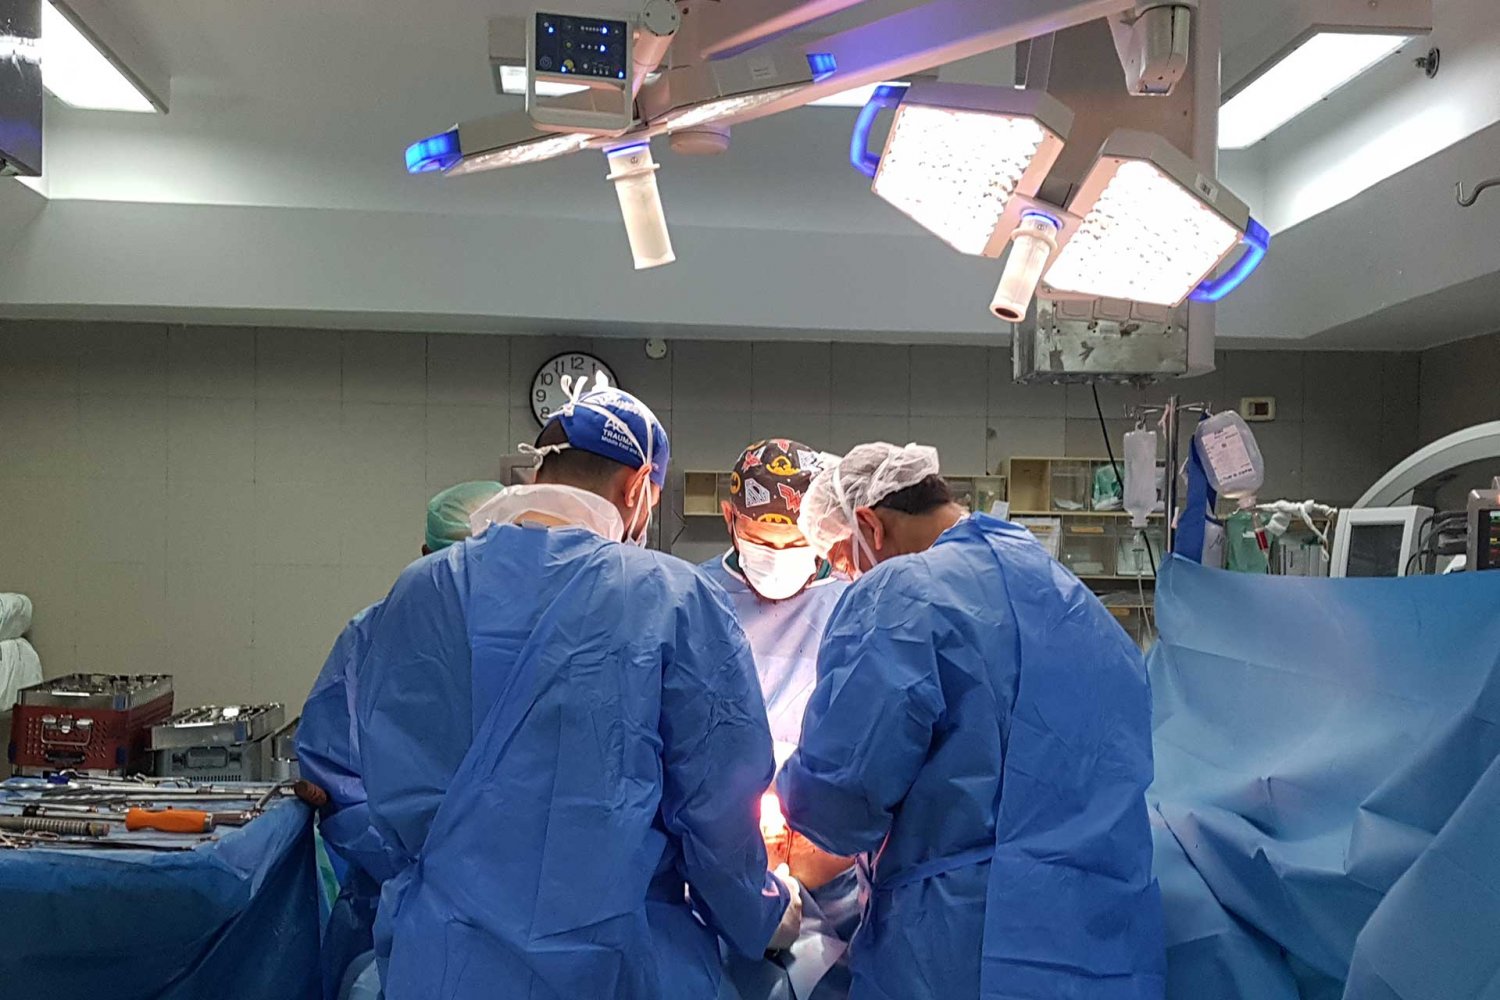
x=874 y=527
x=728 y=509
x=642 y=489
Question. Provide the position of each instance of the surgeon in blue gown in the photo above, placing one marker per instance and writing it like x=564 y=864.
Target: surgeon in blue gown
x=328 y=755
x=783 y=595
x=564 y=746
x=981 y=733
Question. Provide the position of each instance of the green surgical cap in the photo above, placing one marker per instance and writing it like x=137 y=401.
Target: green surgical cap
x=448 y=512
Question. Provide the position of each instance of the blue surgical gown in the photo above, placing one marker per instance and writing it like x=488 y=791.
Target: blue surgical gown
x=328 y=755
x=561 y=736
x=982 y=727
x=784 y=636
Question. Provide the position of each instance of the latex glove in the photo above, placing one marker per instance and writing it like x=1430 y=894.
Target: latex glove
x=791 y=918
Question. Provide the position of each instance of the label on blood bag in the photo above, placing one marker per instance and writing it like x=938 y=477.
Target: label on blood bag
x=1225 y=451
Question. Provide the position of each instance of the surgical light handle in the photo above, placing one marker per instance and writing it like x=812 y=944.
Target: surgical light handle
x=1032 y=246
x=633 y=172
x=1256 y=242
x=886 y=96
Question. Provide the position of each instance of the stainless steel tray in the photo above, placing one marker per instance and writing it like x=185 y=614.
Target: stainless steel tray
x=217 y=726
x=117 y=692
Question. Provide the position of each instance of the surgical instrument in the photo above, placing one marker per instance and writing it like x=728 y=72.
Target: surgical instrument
x=44 y=824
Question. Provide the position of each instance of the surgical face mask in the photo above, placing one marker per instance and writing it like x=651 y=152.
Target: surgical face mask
x=776 y=574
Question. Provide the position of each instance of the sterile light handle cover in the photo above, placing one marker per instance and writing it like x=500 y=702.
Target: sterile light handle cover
x=1032 y=246
x=633 y=172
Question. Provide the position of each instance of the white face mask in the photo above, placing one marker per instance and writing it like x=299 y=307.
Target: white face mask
x=776 y=574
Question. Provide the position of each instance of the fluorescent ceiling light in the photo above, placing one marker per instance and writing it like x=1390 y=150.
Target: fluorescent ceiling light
x=856 y=98
x=80 y=75
x=1306 y=75
x=513 y=81
x=1146 y=237
x=957 y=154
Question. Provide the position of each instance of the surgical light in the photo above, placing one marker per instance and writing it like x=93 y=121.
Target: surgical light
x=727 y=107
x=957 y=154
x=1152 y=227
x=545 y=146
x=728 y=90
x=856 y=97
x=83 y=75
x=490 y=143
x=633 y=172
x=1320 y=65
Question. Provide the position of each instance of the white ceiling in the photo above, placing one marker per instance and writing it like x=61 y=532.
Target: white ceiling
x=284 y=145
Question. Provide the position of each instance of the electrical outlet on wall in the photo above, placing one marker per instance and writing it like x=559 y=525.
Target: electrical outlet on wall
x=1258 y=409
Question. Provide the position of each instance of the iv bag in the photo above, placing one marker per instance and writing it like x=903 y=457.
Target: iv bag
x=1231 y=458
x=1140 y=476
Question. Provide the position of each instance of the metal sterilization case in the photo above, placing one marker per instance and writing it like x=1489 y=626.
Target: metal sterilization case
x=217 y=742
x=97 y=724
x=217 y=726
x=284 y=753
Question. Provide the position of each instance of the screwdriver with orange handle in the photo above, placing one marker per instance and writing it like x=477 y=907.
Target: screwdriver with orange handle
x=161 y=820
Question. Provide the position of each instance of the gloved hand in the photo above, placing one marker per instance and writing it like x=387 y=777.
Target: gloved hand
x=791 y=919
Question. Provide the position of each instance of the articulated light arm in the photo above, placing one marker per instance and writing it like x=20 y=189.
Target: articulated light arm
x=929 y=35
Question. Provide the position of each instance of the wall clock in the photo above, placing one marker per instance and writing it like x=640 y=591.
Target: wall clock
x=547 y=394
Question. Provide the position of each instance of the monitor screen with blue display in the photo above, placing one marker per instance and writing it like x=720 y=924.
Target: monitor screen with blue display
x=580 y=46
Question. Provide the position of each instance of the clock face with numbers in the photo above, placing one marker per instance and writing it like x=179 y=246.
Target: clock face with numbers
x=547 y=393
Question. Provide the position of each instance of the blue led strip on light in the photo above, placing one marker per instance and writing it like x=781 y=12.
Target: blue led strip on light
x=887 y=95
x=822 y=64
x=1256 y=241
x=437 y=152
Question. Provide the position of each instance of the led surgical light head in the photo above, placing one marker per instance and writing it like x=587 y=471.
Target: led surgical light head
x=1153 y=226
x=957 y=154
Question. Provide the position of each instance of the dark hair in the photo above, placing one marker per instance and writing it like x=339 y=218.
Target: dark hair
x=573 y=466
x=920 y=498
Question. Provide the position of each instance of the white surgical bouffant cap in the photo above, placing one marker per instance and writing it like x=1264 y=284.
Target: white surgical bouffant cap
x=863 y=478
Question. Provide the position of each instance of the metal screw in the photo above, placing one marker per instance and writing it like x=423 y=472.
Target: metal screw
x=1430 y=63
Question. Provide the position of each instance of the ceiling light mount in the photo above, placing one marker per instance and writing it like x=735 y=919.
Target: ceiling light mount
x=1431 y=62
